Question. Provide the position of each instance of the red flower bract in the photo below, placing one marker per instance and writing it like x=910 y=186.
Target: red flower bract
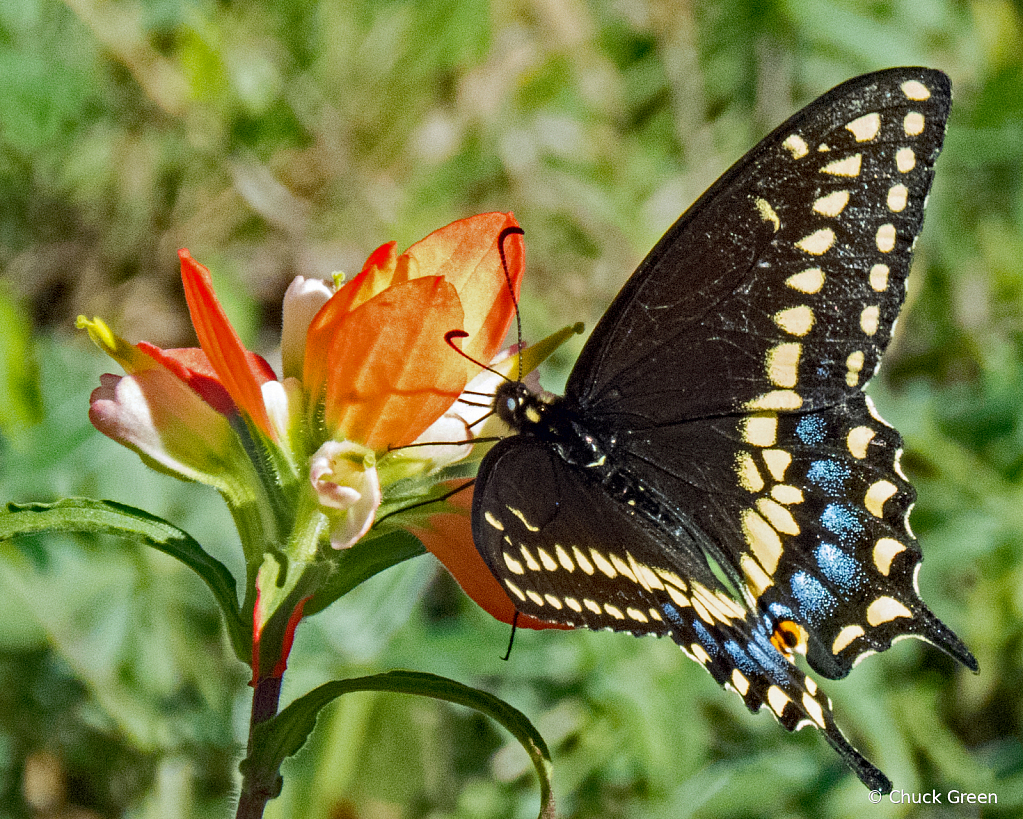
x=376 y=354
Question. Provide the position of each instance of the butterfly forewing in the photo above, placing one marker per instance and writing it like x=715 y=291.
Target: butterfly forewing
x=716 y=417
x=779 y=287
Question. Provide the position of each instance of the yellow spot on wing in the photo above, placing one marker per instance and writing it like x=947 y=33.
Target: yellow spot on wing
x=573 y=604
x=858 y=440
x=647 y=578
x=763 y=540
x=614 y=611
x=783 y=364
x=493 y=521
x=869 y=319
x=784 y=493
x=515 y=590
x=778 y=516
x=850 y=166
x=885 y=551
x=832 y=204
x=530 y=560
x=513 y=564
x=813 y=708
x=905 y=160
x=777 y=699
x=853 y=365
x=583 y=561
x=796 y=145
x=898 y=196
x=563 y=558
x=767 y=213
x=879 y=277
x=750 y=478
x=845 y=637
x=554 y=601
x=810 y=280
x=886 y=238
x=522 y=517
x=760 y=430
x=672 y=578
x=915 y=90
x=796 y=321
x=679 y=599
x=622 y=567
x=776 y=400
x=886 y=609
x=593 y=606
x=740 y=682
x=777 y=461
x=548 y=562
x=702 y=611
x=913 y=124
x=818 y=242
x=876 y=496
x=757 y=579
x=536 y=598
x=601 y=563
x=866 y=127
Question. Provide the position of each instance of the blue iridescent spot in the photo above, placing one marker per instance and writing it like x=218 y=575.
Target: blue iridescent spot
x=741 y=658
x=780 y=612
x=838 y=567
x=815 y=601
x=840 y=520
x=672 y=616
x=706 y=640
x=829 y=475
x=811 y=430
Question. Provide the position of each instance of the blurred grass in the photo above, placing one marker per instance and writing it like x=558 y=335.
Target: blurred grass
x=283 y=139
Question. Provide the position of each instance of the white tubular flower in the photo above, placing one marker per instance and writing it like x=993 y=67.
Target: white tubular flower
x=344 y=477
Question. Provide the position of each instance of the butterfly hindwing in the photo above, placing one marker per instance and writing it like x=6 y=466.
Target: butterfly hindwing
x=810 y=511
x=570 y=555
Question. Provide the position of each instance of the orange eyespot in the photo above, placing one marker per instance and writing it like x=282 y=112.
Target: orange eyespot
x=789 y=637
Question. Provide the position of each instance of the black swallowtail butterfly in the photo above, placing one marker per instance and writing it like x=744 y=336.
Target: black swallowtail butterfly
x=714 y=472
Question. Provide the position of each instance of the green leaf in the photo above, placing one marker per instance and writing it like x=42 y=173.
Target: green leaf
x=276 y=739
x=112 y=518
x=359 y=563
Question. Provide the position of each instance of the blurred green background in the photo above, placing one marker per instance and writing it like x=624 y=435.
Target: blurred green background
x=276 y=139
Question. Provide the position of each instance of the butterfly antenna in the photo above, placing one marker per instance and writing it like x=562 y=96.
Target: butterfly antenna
x=449 y=338
x=511 y=639
x=418 y=504
x=451 y=335
x=502 y=236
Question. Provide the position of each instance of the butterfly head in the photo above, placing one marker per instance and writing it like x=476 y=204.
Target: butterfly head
x=520 y=408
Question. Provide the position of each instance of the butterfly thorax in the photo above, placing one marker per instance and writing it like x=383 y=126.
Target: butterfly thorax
x=563 y=429
x=552 y=420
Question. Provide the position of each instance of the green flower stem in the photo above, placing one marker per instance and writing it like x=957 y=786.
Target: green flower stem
x=257 y=790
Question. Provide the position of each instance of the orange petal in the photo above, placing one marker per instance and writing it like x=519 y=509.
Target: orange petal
x=390 y=372
x=467 y=254
x=448 y=536
x=192 y=366
x=227 y=355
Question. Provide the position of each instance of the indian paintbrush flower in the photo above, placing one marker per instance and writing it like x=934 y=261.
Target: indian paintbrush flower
x=314 y=456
